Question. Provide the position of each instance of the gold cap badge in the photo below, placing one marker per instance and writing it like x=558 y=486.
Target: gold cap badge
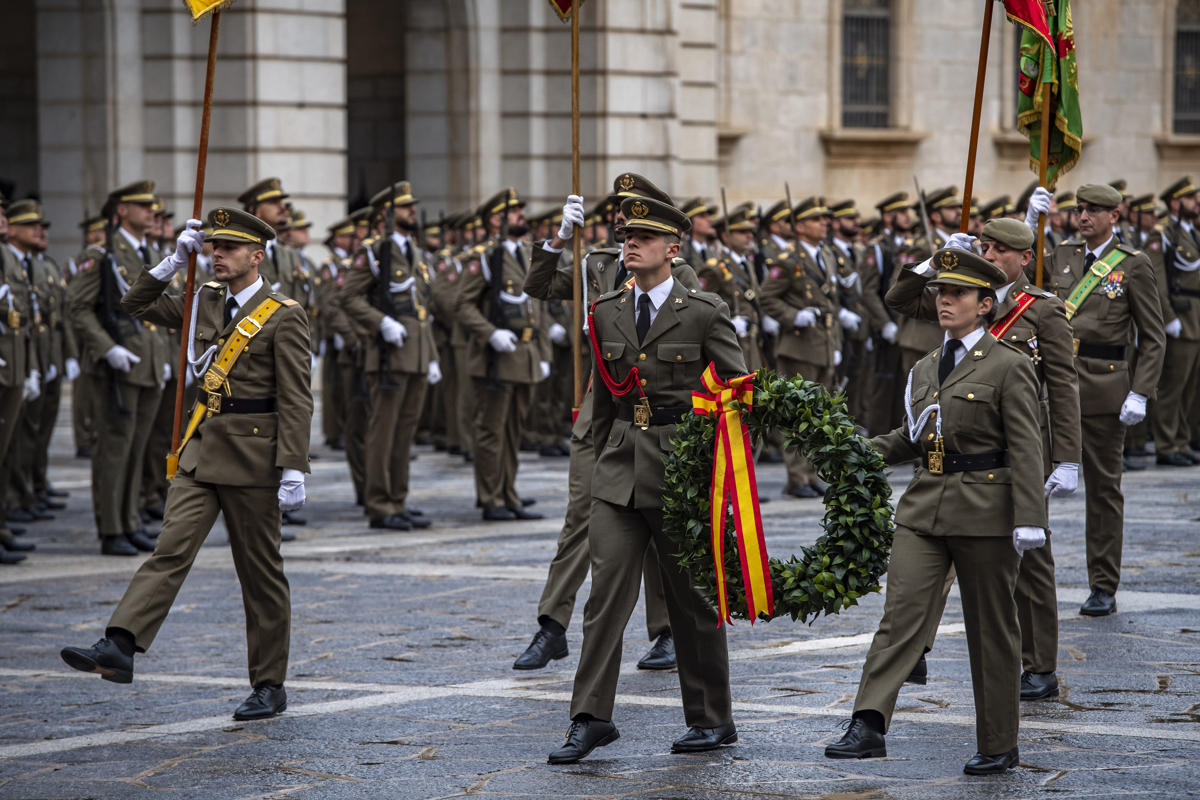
x=626 y=182
x=221 y=217
x=949 y=260
x=639 y=209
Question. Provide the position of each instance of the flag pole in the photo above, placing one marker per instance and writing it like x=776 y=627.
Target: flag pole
x=1045 y=158
x=577 y=239
x=197 y=211
x=981 y=75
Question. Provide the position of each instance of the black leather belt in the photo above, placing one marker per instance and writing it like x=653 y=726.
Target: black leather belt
x=658 y=415
x=1187 y=292
x=970 y=462
x=1108 y=352
x=243 y=405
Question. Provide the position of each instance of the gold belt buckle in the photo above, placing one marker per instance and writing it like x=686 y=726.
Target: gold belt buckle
x=829 y=320
x=641 y=414
x=14 y=318
x=249 y=334
x=937 y=457
x=214 y=403
x=527 y=335
x=213 y=379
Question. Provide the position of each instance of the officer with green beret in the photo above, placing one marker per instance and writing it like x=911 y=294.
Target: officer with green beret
x=1034 y=321
x=128 y=360
x=244 y=453
x=975 y=502
x=670 y=334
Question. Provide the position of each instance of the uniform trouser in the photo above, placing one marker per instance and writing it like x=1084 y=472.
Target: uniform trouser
x=1176 y=390
x=987 y=577
x=83 y=410
x=572 y=560
x=554 y=396
x=467 y=404
x=859 y=369
x=1037 y=609
x=253 y=520
x=357 y=399
x=447 y=397
x=799 y=471
x=618 y=539
x=11 y=399
x=158 y=446
x=1103 y=439
x=47 y=416
x=498 y=441
x=887 y=391
x=117 y=460
x=395 y=412
x=19 y=458
x=333 y=399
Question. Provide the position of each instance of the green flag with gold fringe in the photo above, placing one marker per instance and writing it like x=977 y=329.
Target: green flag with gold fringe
x=1045 y=67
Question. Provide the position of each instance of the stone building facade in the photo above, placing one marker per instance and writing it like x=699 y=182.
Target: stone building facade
x=338 y=97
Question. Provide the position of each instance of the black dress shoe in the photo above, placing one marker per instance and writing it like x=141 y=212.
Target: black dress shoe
x=1099 y=604
x=860 y=741
x=16 y=530
x=156 y=512
x=500 y=514
x=552 y=451
x=37 y=515
x=335 y=444
x=144 y=515
x=521 y=513
x=698 y=740
x=992 y=765
x=584 y=736
x=16 y=546
x=1137 y=452
x=414 y=512
x=661 y=656
x=1128 y=465
x=10 y=558
x=544 y=648
x=392 y=522
x=263 y=703
x=770 y=457
x=467 y=457
x=804 y=491
x=52 y=492
x=140 y=541
x=292 y=518
x=53 y=505
x=19 y=515
x=417 y=523
x=454 y=450
x=149 y=534
x=83 y=452
x=1038 y=685
x=529 y=447
x=1174 y=460
x=526 y=502
x=116 y=546
x=920 y=673
x=103 y=658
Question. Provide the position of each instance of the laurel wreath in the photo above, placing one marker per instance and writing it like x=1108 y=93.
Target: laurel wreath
x=848 y=559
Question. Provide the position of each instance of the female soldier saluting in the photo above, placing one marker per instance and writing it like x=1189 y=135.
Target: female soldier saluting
x=975 y=501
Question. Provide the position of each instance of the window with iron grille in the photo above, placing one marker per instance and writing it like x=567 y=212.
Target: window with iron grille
x=1187 y=67
x=866 y=63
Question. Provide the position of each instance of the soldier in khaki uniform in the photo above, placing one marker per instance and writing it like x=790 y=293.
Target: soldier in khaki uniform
x=881 y=256
x=1036 y=322
x=400 y=357
x=352 y=363
x=127 y=358
x=731 y=276
x=802 y=292
x=245 y=454
x=333 y=390
x=696 y=249
x=671 y=334
x=975 y=503
x=944 y=208
x=1104 y=305
x=447 y=268
x=83 y=391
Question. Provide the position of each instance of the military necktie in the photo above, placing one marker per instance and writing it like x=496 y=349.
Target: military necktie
x=947 y=365
x=29 y=268
x=643 y=317
x=144 y=253
x=231 y=307
x=1088 y=260
x=274 y=257
x=622 y=274
x=408 y=251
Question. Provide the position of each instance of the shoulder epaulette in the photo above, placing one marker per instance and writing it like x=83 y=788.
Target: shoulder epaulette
x=215 y=285
x=712 y=262
x=1128 y=248
x=1016 y=348
x=611 y=294
x=479 y=248
x=708 y=297
x=287 y=301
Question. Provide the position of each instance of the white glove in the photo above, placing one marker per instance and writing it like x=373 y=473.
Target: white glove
x=503 y=340
x=338 y=342
x=1039 y=203
x=961 y=241
x=572 y=216
x=558 y=334
x=393 y=331
x=71 y=368
x=740 y=326
x=849 y=319
x=1133 y=410
x=312 y=362
x=545 y=365
x=1174 y=328
x=435 y=372
x=837 y=358
x=321 y=349
x=890 y=329
x=52 y=373
x=770 y=326
x=805 y=318
x=869 y=344
x=1063 y=481
x=291 y=490
x=190 y=241
x=33 y=388
x=121 y=359
x=166 y=372
x=1028 y=537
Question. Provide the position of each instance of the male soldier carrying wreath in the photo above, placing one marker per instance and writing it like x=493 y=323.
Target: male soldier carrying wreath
x=244 y=454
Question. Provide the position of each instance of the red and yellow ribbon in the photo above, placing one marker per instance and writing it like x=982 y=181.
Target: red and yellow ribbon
x=733 y=476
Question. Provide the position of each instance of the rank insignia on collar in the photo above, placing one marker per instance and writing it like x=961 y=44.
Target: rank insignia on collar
x=979 y=354
x=678 y=301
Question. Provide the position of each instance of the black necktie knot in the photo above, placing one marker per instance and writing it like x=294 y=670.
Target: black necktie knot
x=1089 y=259
x=947 y=364
x=643 y=317
x=231 y=307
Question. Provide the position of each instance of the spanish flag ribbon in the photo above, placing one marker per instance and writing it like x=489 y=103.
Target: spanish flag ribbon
x=733 y=476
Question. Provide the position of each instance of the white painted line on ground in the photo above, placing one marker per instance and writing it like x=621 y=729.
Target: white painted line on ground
x=810 y=645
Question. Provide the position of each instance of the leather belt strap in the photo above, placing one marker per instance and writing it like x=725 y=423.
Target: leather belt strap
x=971 y=462
x=1186 y=292
x=244 y=405
x=214 y=380
x=1107 y=352
x=658 y=415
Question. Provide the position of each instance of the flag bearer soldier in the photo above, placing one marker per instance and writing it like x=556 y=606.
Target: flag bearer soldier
x=509 y=351
x=244 y=455
x=671 y=334
x=127 y=359
x=918 y=337
x=447 y=269
x=801 y=291
x=974 y=503
x=1176 y=247
x=1104 y=305
x=385 y=295
x=731 y=277
x=882 y=253
x=1035 y=322
x=551 y=276
x=328 y=283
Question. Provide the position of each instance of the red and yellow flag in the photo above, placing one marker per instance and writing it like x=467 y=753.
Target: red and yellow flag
x=733 y=477
x=202 y=8
x=563 y=8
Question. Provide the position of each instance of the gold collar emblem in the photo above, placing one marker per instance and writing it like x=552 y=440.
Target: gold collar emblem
x=949 y=260
x=626 y=183
x=221 y=218
x=639 y=209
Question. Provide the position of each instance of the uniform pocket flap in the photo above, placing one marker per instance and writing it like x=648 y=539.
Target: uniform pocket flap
x=975 y=392
x=612 y=351
x=665 y=435
x=205 y=333
x=251 y=425
x=919 y=392
x=258 y=346
x=1102 y=366
x=617 y=434
x=679 y=351
x=998 y=475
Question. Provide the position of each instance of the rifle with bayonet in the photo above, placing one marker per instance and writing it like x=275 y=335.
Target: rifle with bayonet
x=383 y=294
x=106 y=311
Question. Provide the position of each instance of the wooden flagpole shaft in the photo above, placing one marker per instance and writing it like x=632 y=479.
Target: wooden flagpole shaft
x=1045 y=156
x=197 y=210
x=981 y=75
x=577 y=239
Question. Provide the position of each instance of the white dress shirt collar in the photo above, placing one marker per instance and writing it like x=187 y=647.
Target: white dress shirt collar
x=1100 y=250
x=129 y=237
x=17 y=252
x=1002 y=293
x=512 y=245
x=658 y=296
x=779 y=240
x=968 y=341
x=246 y=295
x=843 y=245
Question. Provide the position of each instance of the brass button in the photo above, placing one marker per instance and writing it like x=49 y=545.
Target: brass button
x=1112 y=366
x=971 y=396
x=990 y=476
x=935 y=394
x=931 y=437
x=932 y=414
x=608 y=355
x=220 y=341
x=1014 y=337
x=641 y=356
x=679 y=358
x=256 y=430
x=642 y=381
